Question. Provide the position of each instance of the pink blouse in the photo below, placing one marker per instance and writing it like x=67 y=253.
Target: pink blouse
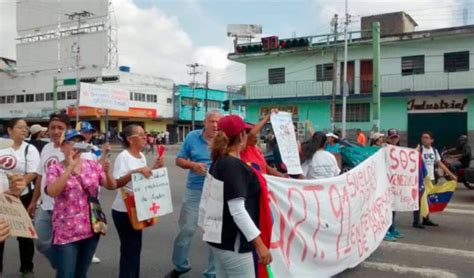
x=71 y=220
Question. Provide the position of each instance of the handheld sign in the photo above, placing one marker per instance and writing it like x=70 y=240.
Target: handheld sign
x=152 y=195
x=13 y=211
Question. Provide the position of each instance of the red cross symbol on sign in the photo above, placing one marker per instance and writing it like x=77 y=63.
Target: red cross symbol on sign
x=154 y=208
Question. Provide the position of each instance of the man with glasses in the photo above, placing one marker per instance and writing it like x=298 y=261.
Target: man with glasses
x=194 y=156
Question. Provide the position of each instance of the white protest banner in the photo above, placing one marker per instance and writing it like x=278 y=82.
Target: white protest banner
x=322 y=227
x=284 y=130
x=402 y=166
x=13 y=211
x=100 y=96
x=211 y=209
x=153 y=195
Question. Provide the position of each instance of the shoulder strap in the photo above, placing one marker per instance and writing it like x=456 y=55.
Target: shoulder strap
x=26 y=156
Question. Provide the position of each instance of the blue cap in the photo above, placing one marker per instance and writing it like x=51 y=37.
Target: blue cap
x=71 y=134
x=87 y=127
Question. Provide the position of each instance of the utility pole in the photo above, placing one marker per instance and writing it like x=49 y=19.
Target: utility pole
x=334 y=75
x=79 y=16
x=55 y=94
x=345 y=90
x=194 y=72
x=207 y=89
x=376 y=76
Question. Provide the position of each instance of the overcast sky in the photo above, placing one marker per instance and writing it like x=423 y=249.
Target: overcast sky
x=159 y=37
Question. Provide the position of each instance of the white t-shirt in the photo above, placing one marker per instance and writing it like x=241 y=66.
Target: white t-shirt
x=124 y=163
x=430 y=157
x=13 y=161
x=322 y=165
x=49 y=156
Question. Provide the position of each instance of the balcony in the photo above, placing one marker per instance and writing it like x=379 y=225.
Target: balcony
x=390 y=83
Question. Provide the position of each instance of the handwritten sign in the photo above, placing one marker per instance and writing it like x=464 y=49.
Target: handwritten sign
x=152 y=195
x=211 y=209
x=326 y=226
x=402 y=165
x=286 y=138
x=12 y=210
x=100 y=96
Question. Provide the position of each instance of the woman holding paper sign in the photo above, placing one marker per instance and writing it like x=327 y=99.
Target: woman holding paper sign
x=246 y=215
x=73 y=184
x=130 y=161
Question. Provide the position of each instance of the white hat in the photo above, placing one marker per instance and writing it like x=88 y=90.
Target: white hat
x=5 y=143
x=377 y=135
x=330 y=134
x=37 y=128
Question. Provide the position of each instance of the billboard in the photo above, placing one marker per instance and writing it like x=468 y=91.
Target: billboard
x=34 y=16
x=243 y=30
x=43 y=55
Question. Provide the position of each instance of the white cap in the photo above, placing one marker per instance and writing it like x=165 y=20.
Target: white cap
x=377 y=135
x=5 y=143
x=37 y=128
x=330 y=134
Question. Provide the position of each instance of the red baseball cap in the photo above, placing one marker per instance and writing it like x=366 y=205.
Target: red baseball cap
x=232 y=125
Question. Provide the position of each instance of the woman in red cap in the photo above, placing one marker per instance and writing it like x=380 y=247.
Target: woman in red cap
x=246 y=216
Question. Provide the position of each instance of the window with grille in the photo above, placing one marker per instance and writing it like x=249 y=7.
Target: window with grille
x=3 y=99
x=169 y=100
x=214 y=104
x=355 y=112
x=276 y=76
x=10 y=99
x=61 y=95
x=456 y=61
x=324 y=72
x=39 y=97
x=49 y=96
x=413 y=65
x=140 y=97
x=20 y=98
x=71 y=95
x=30 y=98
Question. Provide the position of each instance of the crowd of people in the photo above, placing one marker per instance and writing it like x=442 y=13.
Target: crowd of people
x=65 y=180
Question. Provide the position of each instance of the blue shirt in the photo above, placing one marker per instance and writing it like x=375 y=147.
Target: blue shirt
x=333 y=149
x=196 y=149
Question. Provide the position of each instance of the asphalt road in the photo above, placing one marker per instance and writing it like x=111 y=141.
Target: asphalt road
x=445 y=251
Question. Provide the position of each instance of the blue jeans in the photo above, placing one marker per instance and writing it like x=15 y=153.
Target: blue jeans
x=130 y=245
x=188 y=219
x=73 y=259
x=44 y=229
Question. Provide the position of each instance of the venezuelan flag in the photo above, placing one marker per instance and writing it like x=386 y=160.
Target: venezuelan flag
x=434 y=198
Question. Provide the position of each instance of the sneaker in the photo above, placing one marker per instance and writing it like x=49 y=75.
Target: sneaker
x=428 y=222
x=176 y=274
x=418 y=226
x=389 y=237
x=95 y=260
x=396 y=234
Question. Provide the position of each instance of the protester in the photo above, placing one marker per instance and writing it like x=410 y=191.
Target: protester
x=166 y=135
x=393 y=138
x=317 y=163
x=37 y=133
x=432 y=159
x=194 y=156
x=151 y=143
x=242 y=204
x=23 y=159
x=71 y=183
x=377 y=139
x=50 y=155
x=88 y=131
x=252 y=155
x=332 y=145
x=361 y=139
x=130 y=161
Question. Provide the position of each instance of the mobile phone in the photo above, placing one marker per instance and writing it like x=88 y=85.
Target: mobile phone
x=82 y=147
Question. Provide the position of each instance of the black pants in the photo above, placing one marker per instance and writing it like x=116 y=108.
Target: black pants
x=26 y=245
x=130 y=245
x=416 y=213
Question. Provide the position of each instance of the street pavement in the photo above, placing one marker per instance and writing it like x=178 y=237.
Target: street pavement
x=445 y=251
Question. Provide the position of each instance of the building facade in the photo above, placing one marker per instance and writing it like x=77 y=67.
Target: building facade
x=426 y=81
x=216 y=100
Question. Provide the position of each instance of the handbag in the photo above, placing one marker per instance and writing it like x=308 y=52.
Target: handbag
x=129 y=200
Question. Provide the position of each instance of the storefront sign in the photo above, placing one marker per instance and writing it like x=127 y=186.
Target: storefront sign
x=26 y=113
x=133 y=112
x=293 y=109
x=437 y=104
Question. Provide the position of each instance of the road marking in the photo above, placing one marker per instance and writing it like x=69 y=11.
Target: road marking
x=461 y=211
x=425 y=272
x=460 y=205
x=428 y=249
